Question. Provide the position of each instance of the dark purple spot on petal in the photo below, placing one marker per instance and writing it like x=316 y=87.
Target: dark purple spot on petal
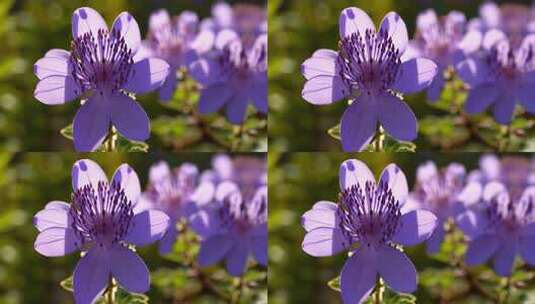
x=350 y=166
x=350 y=14
x=83 y=14
x=83 y=166
x=118 y=177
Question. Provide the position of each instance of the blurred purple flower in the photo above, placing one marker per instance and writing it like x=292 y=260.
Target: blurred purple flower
x=437 y=191
x=100 y=68
x=516 y=173
x=248 y=21
x=500 y=76
x=178 y=41
x=232 y=228
x=102 y=222
x=176 y=193
x=372 y=215
x=367 y=66
x=232 y=77
x=500 y=229
x=248 y=173
x=515 y=20
x=443 y=40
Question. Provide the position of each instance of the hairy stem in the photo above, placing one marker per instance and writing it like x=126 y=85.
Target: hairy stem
x=378 y=293
x=237 y=295
x=110 y=143
x=109 y=296
x=379 y=140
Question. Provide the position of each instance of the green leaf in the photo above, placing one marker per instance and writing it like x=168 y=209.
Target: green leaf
x=67 y=284
x=392 y=145
x=124 y=297
x=67 y=132
x=334 y=132
x=334 y=284
x=399 y=299
x=125 y=145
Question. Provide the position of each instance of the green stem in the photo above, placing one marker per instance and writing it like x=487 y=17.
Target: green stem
x=505 y=132
x=237 y=295
x=110 y=293
x=110 y=143
x=379 y=140
x=238 y=130
x=507 y=290
x=378 y=293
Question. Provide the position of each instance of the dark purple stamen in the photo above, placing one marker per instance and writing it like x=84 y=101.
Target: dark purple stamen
x=506 y=62
x=239 y=62
x=370 y=63
x=370 y=216
x=509 y=215
x=169 y=194
x=101 y=63
x=102 y=216
x=242 y=215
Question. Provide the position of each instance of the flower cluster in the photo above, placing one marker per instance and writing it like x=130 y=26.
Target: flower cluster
x=106 y=68
x=226 y=206
x=492 y=206
x=492 y=55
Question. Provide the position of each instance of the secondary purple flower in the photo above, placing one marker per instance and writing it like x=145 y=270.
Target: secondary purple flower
x=101 y=222
x=248 y=21
x=500 y=76
x=515 y=20
x=232 y=77
x=443 y=40
x=367 y=67
x=369 y=214
x=500 y=229
x=178 y=41
x=233 y=228
x=438 y=191
x=516 y=173
x=101 y=69
x=249 y=173
x=177 y=194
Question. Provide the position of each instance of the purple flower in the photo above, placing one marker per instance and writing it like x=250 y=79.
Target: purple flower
x=500 y=229
x=232 y=77
x=369 y=214
x=232 y=228
x=367 y=67
x=178 y=41
x=500 y=76
x=438 y=191
x=177 y=194
x=515 y=20
x=516 y=173
x=102 y=70
x=101 y=221
x=248 y=21
x=444 y=41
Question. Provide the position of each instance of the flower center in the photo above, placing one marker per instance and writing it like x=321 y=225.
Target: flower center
x=170 y=194
x=439 y=193
x=242 y=63
x=370 y=63
x=101 y=216
x=506 y=63
x=370 y=216
x=509 y=215
x=240 y=215
x=170 y=41
x=102 y=62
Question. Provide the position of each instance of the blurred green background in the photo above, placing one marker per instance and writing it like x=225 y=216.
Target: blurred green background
x=29 y=180
x=29 y=28
x=299 y=27
x=298 y=180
